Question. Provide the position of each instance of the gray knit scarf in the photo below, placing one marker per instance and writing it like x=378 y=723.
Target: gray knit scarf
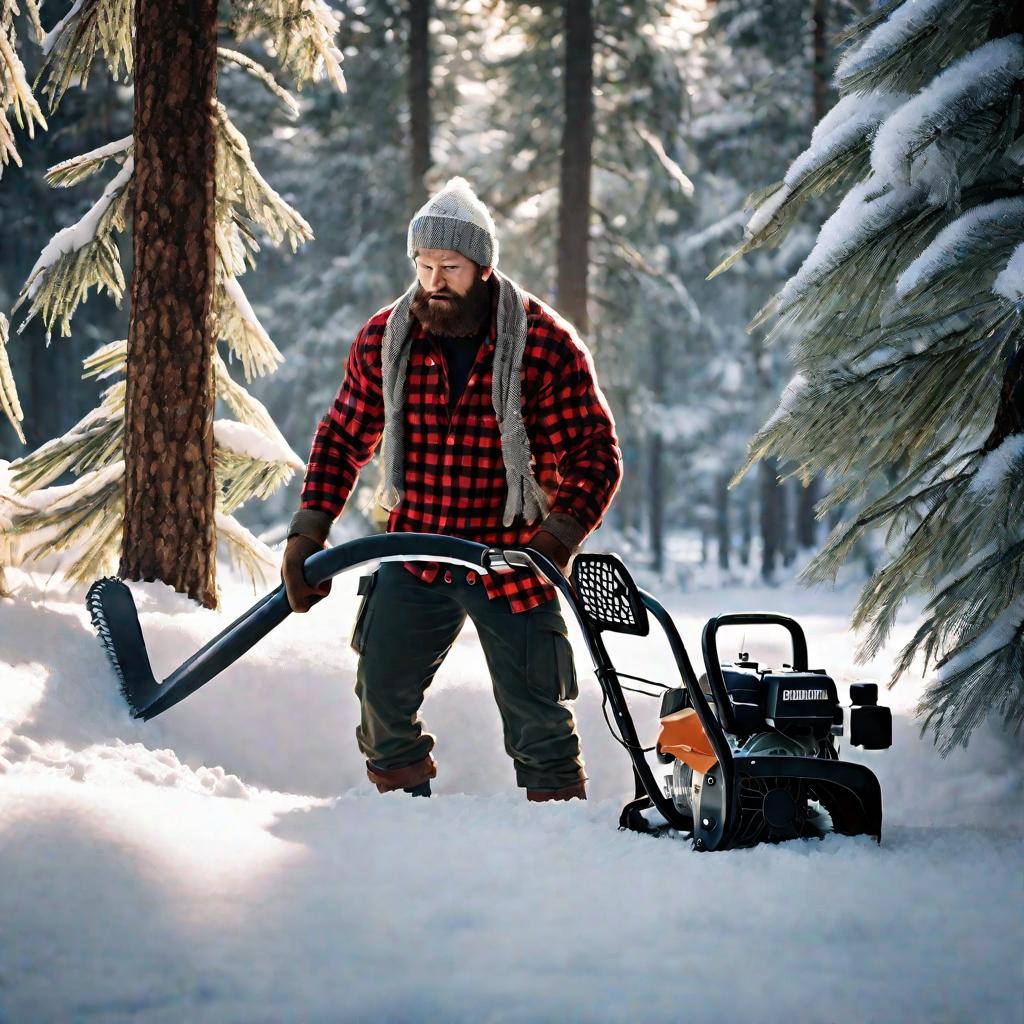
x=526 y=498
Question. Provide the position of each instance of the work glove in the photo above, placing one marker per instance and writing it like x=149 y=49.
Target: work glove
x=301 y=596
x=550 y=546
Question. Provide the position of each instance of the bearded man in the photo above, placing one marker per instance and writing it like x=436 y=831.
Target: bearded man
x=493 y=429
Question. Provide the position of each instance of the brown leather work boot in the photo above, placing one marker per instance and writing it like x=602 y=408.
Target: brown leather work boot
x=406 y=776
x=574 y=792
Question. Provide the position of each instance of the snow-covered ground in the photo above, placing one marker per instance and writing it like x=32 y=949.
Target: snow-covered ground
x=229 y=862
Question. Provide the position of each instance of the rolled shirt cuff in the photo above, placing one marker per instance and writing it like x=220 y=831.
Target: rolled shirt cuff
x=564 y=529
x=312 y=523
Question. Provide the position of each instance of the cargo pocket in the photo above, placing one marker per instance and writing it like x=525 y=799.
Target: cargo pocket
x=361 y=627
x=550 y=671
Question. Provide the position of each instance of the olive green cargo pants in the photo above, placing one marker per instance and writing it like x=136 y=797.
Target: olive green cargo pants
x=404 y=629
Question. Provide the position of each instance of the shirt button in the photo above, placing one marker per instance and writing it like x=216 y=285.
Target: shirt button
x=471 y=576
x=448 y=576
x=430 y=361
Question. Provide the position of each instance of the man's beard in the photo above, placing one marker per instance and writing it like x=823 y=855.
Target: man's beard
x=460 y=317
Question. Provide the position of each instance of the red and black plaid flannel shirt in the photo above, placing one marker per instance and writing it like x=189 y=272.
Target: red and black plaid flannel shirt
x=454 y=472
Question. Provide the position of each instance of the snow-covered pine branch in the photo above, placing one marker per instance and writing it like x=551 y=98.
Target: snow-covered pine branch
x=15 y=93
x=239 y=328
x=839 y=151
x=263 y=76
x=246 y=551
x=78 y=257
x=1009 y=283
x=943 y=137
x=910 y=46
x=299 y=33
x=246 y=409
x=250 y=464
x=94 y=442
x=81 y=520
x=78 y=168
x=241 y=186
x=91 y=27
x=8 y=392
x=905 y=323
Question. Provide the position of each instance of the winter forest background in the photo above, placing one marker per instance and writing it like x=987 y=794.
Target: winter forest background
x=791 y=233
x=875 y=404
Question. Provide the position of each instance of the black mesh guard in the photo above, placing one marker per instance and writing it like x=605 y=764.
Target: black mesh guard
x=608 y=594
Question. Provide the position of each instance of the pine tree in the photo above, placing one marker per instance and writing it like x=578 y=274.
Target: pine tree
x=248 y=458
x=15 y=97
x=908 y=338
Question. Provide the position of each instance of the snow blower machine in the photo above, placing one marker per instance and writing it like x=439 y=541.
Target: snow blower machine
x=746 y=754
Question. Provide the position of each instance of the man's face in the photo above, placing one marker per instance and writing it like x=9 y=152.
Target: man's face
x=452 y=296
x=443 y=273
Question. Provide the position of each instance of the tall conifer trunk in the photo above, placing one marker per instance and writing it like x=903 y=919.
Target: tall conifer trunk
x=419 y=97
x=806 y=524
x=576 y=164
x=169 y=532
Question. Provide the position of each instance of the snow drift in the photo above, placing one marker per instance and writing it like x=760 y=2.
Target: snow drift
x=229 y=862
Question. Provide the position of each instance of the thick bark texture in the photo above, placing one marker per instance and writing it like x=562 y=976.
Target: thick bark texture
x=576 y=164
x=419 y=98
x=169 y=530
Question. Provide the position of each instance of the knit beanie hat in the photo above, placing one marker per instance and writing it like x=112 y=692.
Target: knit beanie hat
x=455 y=219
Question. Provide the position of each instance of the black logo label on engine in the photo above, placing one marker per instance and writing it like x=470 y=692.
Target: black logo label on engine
x=805 y=694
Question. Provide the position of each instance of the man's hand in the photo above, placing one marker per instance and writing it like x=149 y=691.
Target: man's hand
x=301 y=596
x=551 y=547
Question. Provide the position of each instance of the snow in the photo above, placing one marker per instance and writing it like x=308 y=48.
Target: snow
x=862 y=213
x=791 y=395
x=245 y=310
x=229 y=861
x=967 y=233
x=111 y=149
x=897 y=30
x=850 y=120
x=674 y=171
x=1009 y=282
x=51 y=37
x=762 y=216
x=82 y=232
x=247 y=440
x=970 y=84
x=996 y=465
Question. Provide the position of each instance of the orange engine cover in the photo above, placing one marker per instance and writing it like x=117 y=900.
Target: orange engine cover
x=683 y=736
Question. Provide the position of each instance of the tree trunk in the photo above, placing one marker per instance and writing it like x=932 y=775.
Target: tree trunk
x=169 y=529
x=773 y=513
x=809 y=495
x=656 y=497
x=806 y=524
x=576 y=163
x=722 y=519
x=656 y=451
x=419 y=98
x=746 y=525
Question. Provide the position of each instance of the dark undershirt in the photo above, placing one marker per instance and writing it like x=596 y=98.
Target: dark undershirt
x=459 y=356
